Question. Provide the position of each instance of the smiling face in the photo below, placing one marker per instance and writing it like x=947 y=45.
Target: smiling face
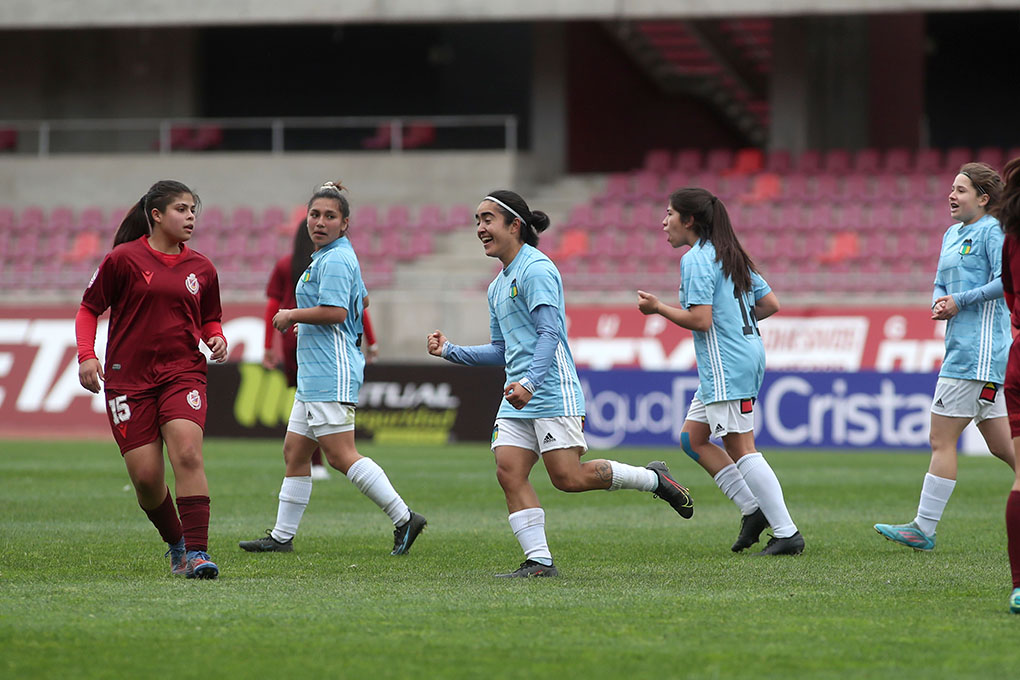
x=966 y=204
x=678 y=229
x=498 y=238
x=326 y=223
x=177 y=223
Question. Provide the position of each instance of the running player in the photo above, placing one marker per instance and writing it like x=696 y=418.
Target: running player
x=968 y=296
x=280 y=295
x=1009 y=213
x=722 y=297
x=331 y=300
x=542 y=414
x=162 y=297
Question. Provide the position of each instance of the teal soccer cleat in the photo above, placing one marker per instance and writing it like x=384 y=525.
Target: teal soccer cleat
x=1014 y=601
x=907 y=534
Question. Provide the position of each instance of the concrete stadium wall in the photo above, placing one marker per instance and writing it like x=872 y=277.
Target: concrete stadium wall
x=100 y=13
x=259 y=179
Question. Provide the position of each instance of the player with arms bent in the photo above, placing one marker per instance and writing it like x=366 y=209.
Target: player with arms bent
x=542 y=413
x=163 y=297
x=722 y=297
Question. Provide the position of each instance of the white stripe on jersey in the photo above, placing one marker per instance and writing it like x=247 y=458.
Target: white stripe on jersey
x=562 y=373
x=567 y=385
x=985 y=344
x=715 y=359
x=343 y=366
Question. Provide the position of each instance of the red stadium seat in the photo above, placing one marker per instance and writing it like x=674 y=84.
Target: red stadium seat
x=897 y=161
x=867 y=161
x=719 y=160
x=688 y=160
x=778 y=161
x=748 y=162
x=809 y=162
x=837 y=161
x=928 y=162
x=8 y=139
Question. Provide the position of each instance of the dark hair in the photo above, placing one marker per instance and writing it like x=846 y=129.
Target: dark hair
x=333 y=190
x=302 y=254
x=712 y=223
x=986 y=181
x=1009 y=205
x=535 y=221
x=136 y=223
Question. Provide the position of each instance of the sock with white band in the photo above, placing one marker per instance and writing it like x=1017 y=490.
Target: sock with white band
x=294 y=495
x=935 y=493
x=528 y=526
x=764 y=484
x=631 y=477
x=370 y=480
x=731 y=482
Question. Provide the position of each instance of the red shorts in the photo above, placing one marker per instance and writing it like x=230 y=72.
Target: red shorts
x=1011 y=389
x=136 y=415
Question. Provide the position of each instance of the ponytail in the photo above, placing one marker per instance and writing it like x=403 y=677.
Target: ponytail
x=712 y=223
x=512 y=206
x=1009 y=200
x=136 y=223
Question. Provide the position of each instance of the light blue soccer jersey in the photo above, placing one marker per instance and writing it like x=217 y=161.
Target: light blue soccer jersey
x=532 y=280
x=977 y=338
x=730 y=355
x=331 y=366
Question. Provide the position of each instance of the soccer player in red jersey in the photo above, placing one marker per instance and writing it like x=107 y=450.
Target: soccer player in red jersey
x=280 y=295
x=1009 y=218
x=163 y=297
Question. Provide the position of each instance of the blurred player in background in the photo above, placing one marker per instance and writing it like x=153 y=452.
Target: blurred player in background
x=163 y=297
x=1009 y=214
x=280 y=295
x=542 y=415
x=722 y=297
x=968 y=296
x=331 y=299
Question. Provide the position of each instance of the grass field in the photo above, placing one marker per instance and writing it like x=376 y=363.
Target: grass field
x=85 y=590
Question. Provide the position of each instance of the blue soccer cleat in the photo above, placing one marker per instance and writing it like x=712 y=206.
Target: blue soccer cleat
x=907 y=534
x=178 y=559
x=1014 y=601
x=200 y=566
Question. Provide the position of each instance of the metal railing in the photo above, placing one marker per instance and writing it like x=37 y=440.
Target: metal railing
x=157 y=133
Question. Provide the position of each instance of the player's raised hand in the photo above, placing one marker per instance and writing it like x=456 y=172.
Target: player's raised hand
x=647 y=303
x=90 y=373
x=434 y=342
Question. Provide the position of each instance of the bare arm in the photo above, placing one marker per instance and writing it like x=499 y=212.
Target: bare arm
x=695 y=318
x=766 y=306
x=320 y=315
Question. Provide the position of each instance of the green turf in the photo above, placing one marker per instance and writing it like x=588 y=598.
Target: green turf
x=85 y=590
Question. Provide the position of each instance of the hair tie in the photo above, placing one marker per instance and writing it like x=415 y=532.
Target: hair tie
x=329 y=186
x=512 y=211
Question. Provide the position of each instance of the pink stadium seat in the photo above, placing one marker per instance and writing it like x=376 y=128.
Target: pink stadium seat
x=928 y=161
x=657 y=161
x=733 y=187
x=397 y=216
x=365 y=217
x=430 y=216
x=867 y=161
x=617 y=187
x=60 y=220
x=91 y=219
x=897 y=161
x=688 y=160
x=581 y=216
x=242 y=219
x=461 y=215
x=766 y=186
x=676 y=180
x=609 y=217
x=809 y=162
x=795 y=188
x=856 y=188
x=719 y=160
x=827 y=187
x=778 y=161
x=887 y=188
x=837 y=161
x=211 y=219
x=851 y=217
x=646 y=186
x=918 y=188
x=956 y=157
x=274 y=218
x=992 y=155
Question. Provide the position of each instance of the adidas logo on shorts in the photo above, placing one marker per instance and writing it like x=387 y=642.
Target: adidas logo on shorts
x=718 y=428
x=939 y=403
x=549 y=439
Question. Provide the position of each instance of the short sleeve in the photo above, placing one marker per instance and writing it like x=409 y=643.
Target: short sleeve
x=101 y=291
x=699 y=280
x=336 y=280
x=994 y=247
x=541 y=285
x=759 y=287
x=495 y=334
x=279 y=279
x=211 y=309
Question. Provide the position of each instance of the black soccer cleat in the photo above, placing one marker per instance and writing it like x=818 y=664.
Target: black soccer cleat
x=531 y=569
x=791 y=545
x=404 y=535
x=267 y=544
x=672 y=492
x=751 y=527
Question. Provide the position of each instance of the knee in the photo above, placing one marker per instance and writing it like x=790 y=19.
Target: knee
x=188 y=459
x=509 y=478
x=570 y=483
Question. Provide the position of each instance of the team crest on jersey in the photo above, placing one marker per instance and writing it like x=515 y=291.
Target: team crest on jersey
x=307 y=275
x=966 y=247
x=513 y=289
x=194 y=399
x=192 y=284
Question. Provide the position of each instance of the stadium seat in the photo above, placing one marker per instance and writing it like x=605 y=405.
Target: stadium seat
x=867 y=161
x=837 y=161
x=719 y=160
x=748 y=162
x=928 y=162
x=617 y=187
x=897 y=161
x=657 y=161
x=646 y=187
x=778 y=161
x=418 y=135
x=365 y=217
x=918 y=188
x=992 y=155
x=766 y=186
x=795 y=188
x=809 y=162
x=955 y=158
x=397 y=216
x=8 y=139
x=430 y=216
x=461 y=215
x=688 y=160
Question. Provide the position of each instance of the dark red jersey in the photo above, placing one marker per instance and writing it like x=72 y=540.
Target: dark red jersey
x=158 y=305
x=280 y=287
x=1011 y=277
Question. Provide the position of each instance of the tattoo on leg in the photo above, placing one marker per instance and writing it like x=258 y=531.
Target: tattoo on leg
x=604 y=471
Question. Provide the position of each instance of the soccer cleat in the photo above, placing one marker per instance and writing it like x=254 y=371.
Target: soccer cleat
x=267 y=544
x=178 y=558
x=319 y=473
x=531 y=569
x=907 y=534
x=791 y=545
x=200 y=566
x=404 y=535
x=1014 y=601
x=751 y=527
x=671 y=492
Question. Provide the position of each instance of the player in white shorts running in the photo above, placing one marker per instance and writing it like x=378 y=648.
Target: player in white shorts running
x=542 y=414
x=722 y=296
x=968 y=296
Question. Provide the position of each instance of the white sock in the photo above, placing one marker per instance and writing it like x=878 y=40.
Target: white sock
x=528 y=526
x=294 y=495
x=731 y=482
x=631 y=477
x=764 y=484
x=372 y=481
x=935 y=493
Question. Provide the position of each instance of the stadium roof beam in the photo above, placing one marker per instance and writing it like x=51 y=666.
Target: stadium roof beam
x=25 y=14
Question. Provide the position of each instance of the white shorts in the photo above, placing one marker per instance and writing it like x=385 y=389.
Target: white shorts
x=540 y=434
x=975 y=399
x=314 y=419
x=724 y=417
